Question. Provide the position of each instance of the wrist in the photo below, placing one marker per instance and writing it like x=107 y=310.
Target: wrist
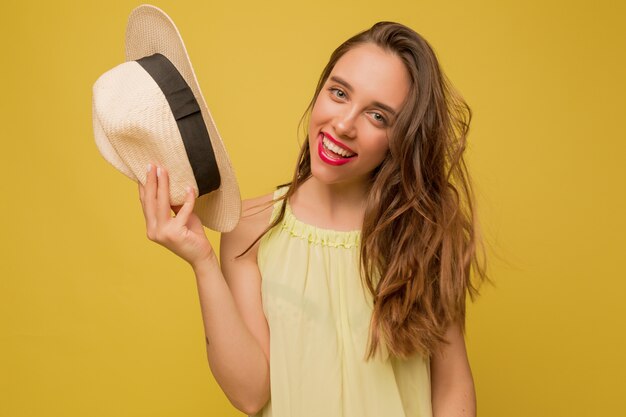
x=205 y=264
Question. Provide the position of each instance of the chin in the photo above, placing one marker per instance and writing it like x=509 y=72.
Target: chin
x=321 y=175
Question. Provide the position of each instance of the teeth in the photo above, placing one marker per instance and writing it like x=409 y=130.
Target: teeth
x=340 y=151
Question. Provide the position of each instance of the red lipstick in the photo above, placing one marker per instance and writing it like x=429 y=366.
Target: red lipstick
x=336 y=142
x=326 y=157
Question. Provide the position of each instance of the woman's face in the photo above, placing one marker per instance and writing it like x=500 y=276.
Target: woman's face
x=354 y=112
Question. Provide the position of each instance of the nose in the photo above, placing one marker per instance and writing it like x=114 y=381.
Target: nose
x=344 y=124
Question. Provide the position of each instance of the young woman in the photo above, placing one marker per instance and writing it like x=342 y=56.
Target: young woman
x=343 y=292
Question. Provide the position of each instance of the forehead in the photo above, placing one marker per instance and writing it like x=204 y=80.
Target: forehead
x=375 y=74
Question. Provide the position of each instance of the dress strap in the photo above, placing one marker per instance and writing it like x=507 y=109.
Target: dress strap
x=277 y=205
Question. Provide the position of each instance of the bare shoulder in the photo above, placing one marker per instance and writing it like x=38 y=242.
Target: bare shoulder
x=255 y=218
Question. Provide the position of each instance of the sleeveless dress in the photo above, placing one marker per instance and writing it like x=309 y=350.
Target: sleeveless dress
x=318 y=312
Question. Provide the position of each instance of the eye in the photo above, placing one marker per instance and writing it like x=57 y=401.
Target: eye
x=379 y=118
x=337 y=92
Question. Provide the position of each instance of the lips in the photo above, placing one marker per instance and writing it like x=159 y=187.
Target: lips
x=336 y=142
x=330 y=159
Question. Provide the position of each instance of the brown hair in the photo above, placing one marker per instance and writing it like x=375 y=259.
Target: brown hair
x=420 y=234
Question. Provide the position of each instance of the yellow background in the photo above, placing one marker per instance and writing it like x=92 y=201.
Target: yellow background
x=96 y=320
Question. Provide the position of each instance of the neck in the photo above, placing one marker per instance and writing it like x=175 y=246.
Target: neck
x=335 y=202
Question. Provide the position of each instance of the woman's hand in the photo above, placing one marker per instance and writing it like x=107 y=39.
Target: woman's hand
x=183 y=234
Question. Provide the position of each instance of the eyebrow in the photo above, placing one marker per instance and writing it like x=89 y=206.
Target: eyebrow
x=349 y=88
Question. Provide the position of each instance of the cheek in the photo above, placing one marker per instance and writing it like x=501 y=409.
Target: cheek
x=322 y=109
x=382 y=153
x=379 y=150
x=313 y=118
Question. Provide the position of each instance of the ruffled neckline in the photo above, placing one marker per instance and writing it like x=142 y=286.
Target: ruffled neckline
x=317 y=235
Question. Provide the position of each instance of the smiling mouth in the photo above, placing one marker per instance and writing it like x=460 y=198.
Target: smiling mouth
x=335 y=151
x=329 y=156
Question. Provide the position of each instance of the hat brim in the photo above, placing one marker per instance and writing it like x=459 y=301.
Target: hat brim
x=149 y=31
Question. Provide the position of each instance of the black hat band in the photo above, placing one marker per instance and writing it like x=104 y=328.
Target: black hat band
x=188 y=116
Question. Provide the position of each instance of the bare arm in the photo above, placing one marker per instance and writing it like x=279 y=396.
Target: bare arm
x=239 y=363
x=452 y=384
x=234 y=323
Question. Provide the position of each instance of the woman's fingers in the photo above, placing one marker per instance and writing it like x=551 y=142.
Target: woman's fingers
x=149 y=201
x=155 y=200
x=163 y=196
x=184 y=234
x=183 y=212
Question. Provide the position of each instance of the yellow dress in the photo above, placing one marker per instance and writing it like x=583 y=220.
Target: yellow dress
x=318 y=313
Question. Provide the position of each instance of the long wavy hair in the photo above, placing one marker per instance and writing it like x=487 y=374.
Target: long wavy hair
x=420 y=236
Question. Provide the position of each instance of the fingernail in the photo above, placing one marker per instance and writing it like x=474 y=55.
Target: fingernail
x=149 y=168
x=158 y=171
x=188 y=188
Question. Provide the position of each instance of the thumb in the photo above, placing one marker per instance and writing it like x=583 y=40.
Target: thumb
x=185 y=210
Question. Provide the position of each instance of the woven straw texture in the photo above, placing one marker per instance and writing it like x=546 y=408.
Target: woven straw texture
x=136 y=127
x=133 y=123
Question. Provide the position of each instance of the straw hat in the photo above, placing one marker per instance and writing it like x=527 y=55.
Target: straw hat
x=151 y=109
